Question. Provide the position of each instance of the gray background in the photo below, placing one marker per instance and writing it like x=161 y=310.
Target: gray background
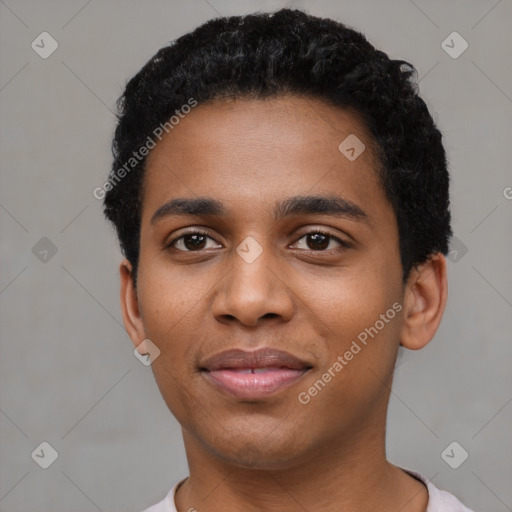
x=68 y=372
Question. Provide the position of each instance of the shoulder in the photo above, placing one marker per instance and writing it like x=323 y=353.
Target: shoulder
x=439 y=500
x=167 y=504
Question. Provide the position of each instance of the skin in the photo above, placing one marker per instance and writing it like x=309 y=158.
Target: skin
x=309 y=299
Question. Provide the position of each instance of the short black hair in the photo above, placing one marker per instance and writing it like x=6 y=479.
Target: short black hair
x=268 y=54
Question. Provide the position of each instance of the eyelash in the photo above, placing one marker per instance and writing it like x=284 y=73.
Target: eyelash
x=344 y=244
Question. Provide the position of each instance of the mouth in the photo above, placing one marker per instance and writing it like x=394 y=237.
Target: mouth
x=253 y=375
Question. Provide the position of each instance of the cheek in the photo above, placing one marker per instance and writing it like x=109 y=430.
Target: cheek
x=166 y=293
x=170 y=311
x=362 y=313
x=352 y=299
x=170 y=303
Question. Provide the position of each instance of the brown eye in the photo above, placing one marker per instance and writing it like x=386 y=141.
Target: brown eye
x=193 y=242
x=320 y=241
x=190 y=242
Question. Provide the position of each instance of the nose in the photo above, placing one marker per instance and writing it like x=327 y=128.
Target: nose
x=252 y=291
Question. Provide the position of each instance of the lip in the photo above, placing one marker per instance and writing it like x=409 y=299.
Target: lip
x=253 y=375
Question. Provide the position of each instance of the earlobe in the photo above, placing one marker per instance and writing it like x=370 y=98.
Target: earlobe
x=424 y=302
x=132 y=317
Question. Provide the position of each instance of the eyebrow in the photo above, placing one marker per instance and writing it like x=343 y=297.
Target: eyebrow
x=334 y=206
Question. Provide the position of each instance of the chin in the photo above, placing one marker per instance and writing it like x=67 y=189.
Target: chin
x=260 y=455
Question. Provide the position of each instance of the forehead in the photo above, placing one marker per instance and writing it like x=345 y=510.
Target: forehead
x=256 y=151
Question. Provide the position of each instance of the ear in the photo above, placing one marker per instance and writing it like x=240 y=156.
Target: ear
x=424 y=302
x=132 y=317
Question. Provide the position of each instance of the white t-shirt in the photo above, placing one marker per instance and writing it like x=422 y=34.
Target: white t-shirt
x=438 y=501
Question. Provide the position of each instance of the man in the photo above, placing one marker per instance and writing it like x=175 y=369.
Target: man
x=280 y=193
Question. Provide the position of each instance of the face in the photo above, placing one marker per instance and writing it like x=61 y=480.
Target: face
x=251 y=267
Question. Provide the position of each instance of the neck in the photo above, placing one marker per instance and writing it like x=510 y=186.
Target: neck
x=338 y=476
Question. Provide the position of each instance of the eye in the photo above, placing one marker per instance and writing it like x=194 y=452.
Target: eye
x=320 y=241
x=191 y=242
x=196 y=240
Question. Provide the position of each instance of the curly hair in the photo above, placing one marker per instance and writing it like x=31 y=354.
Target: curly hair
x=289 y=51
